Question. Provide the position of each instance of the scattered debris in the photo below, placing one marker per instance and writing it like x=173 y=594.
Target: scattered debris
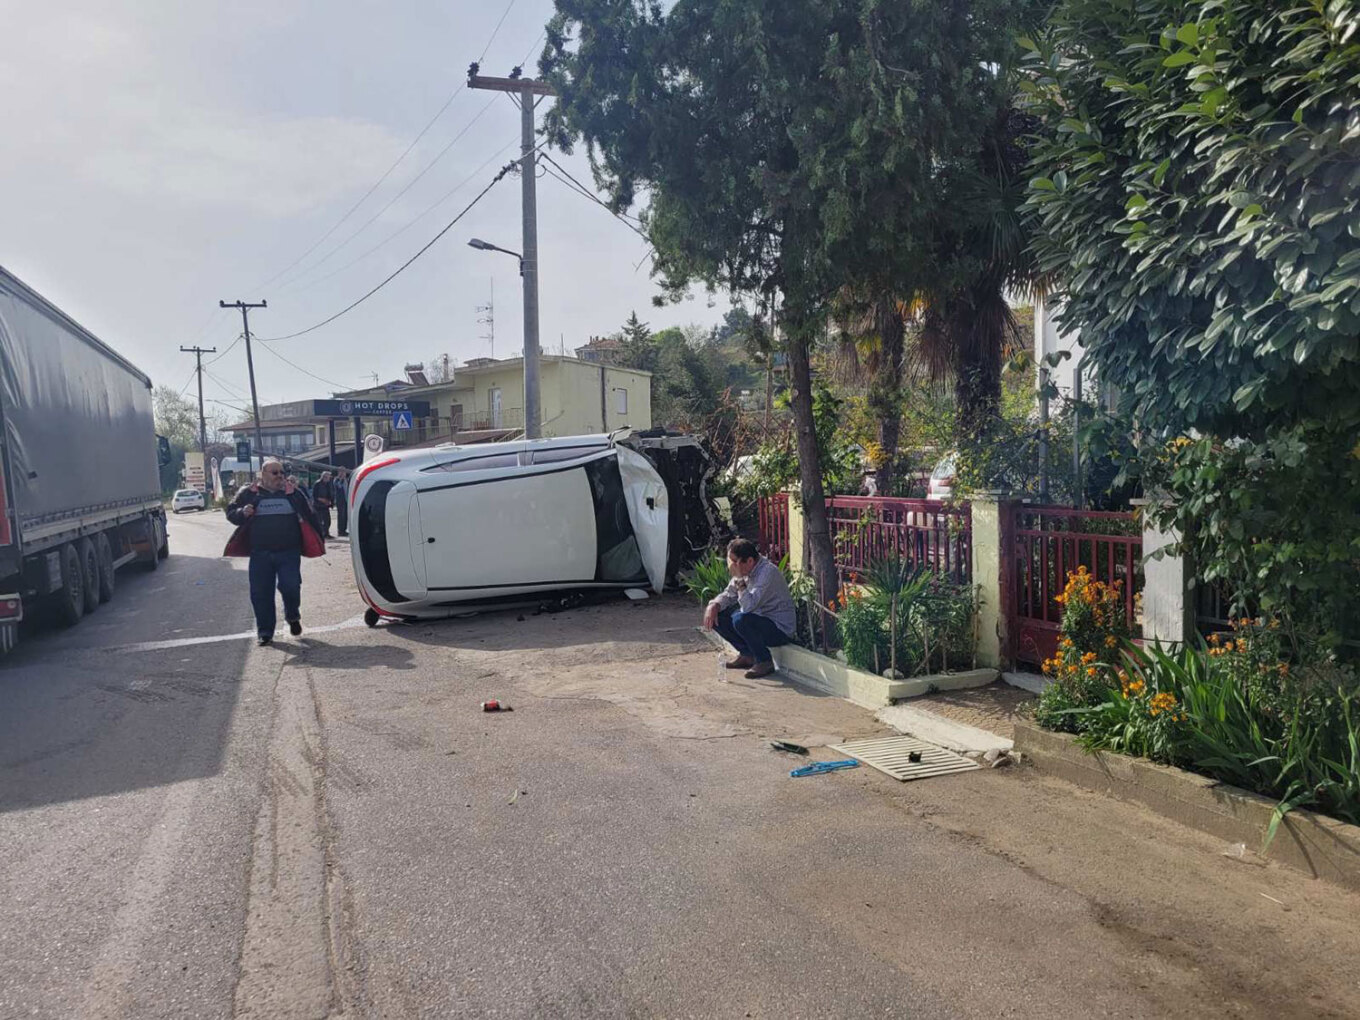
x=784 y=745
x=818 y=767
x=914 y=757
x=1237 y=850
x=636 y=594
x=997 y=757
x=514 y=797
x=1274 y=900
x=520 y=618
x=495 y=706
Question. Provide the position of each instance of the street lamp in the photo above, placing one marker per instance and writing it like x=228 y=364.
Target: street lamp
x=531 y=401
x=481 y=245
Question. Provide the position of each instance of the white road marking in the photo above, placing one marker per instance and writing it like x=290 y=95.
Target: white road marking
x=160 y=646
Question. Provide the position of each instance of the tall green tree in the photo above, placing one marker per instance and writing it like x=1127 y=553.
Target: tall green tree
x=1194 y=194
x=787 y=148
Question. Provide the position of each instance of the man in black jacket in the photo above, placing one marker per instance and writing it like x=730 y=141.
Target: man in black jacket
x=323 y=498
x=270 y=517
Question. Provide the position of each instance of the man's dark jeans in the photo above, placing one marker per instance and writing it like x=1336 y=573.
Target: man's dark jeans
x=268 y=569
x=342 y=515
x=323 y=514
x=751 y=634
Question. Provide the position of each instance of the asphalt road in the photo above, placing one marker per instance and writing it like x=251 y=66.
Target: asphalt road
x=195 y=827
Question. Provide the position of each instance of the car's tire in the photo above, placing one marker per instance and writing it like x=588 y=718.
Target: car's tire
x=103 y=549
x=163 y=549
x=70 y=599
x=176 y=512
x=89 y=566
x=371 y=617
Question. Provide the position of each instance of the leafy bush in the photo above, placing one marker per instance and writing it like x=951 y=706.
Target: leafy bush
x=775 y=465
x=708 y=576
x=1094 y=624
x=906 y=618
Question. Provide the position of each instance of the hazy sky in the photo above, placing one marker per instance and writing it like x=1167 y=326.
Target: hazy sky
x=160 y=155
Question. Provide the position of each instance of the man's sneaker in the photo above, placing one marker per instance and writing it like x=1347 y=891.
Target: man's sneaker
x=295 y=627
x=740 y=662
x=265 y=639
x=759 y=670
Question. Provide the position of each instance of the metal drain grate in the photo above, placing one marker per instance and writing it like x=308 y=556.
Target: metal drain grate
x=891 y=755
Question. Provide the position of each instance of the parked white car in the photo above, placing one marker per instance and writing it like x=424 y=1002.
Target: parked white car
x=435 y=532
x=187 y=499
x=941 y=484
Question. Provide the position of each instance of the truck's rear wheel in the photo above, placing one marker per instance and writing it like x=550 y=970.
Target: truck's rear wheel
x=103 y=550
x=89 y=570
x=155 y=538
x=71 y=598
x=162 y=550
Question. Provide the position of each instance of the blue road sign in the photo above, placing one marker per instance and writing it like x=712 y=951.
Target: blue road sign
x=401 y=420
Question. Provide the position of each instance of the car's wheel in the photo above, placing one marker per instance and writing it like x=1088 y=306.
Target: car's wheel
x=89 y=567
x=71 y=598
x=371 y=617
x=103 y=551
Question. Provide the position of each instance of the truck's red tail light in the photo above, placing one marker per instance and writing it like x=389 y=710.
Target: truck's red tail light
x=11 y=608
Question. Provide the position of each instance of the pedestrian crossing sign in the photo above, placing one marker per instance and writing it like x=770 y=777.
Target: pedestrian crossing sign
x=401 y=420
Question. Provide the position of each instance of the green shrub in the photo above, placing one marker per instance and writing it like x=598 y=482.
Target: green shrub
x=1227 y=711
x=708 y=576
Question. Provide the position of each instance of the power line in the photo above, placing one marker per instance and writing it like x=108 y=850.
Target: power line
x=627 y=223
x=400 y=269
x=304 y=371
x=505 y=14
x=429 y=209
x=183 y=389
x=232 y=390
x=388 y=172
x=227 y=351
x=393 y=200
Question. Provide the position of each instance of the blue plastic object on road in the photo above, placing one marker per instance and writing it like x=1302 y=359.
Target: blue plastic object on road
x=818 y=767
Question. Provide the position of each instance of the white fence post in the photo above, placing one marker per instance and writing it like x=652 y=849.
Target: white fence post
x=1168 y=602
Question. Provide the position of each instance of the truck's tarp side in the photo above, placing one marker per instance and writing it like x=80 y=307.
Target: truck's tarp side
x=77 y=416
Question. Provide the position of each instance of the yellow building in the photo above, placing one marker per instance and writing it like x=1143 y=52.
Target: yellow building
x=487 y=395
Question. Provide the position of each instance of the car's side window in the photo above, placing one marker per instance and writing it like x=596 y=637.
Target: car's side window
x=567 y=453
x=482 y=463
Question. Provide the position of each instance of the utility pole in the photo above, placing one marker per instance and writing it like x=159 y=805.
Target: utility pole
x=245 y=307
x=198 y=353
x=526 y=89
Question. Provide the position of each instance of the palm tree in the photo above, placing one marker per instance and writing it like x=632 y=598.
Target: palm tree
x=980 y=246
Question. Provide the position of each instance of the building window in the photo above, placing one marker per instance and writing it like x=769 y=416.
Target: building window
x=620 y=401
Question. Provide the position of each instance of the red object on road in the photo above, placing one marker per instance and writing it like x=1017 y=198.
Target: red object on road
x=495 y=706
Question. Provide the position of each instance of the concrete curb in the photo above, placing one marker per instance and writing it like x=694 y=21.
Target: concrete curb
x=1315 y=844
x=936 y=729
x=831 y=676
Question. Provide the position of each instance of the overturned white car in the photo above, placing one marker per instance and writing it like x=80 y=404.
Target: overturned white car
x=436 y=532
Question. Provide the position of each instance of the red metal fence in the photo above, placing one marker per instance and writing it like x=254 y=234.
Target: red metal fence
x=1048 y=543
x=925 y=532
x=774 y=525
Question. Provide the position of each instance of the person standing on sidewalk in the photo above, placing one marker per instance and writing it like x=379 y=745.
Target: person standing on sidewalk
x=342 y=503
x=754 y=613
x=323 y=498
x=275 y=527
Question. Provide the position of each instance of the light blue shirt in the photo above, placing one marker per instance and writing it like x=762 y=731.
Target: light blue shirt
x=764 y=592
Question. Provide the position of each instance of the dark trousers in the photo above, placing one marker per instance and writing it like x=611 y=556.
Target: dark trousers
x=323 y=514
x=268 y=569
x=751 y=634
x=342 y=516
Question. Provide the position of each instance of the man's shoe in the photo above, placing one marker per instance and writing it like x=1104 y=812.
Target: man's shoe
x=741 y=662
x=265 y=639
x=295 y=627
x=759 y=670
